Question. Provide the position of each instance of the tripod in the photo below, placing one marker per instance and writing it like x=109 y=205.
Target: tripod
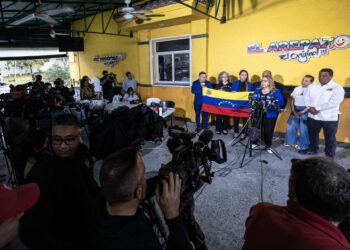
x=254 y=134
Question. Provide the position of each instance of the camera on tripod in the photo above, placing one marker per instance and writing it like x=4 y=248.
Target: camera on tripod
x=190 y=160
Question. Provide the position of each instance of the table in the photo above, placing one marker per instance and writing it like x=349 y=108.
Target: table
x=110 y=107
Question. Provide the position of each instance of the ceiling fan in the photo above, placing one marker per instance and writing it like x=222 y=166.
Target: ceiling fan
x=42 y=14
x=129 y=13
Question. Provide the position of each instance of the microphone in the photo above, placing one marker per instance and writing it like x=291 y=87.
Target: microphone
x=206 y=136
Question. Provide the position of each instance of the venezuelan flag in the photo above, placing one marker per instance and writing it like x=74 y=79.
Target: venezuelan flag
x=226 y=103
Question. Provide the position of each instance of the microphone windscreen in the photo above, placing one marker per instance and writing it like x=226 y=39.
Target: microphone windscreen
x=206 y=136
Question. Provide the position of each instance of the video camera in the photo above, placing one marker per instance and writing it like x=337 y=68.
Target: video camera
x=264 y=102
x=190 y=160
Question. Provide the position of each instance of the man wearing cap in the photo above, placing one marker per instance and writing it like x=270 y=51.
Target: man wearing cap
x=13 y=203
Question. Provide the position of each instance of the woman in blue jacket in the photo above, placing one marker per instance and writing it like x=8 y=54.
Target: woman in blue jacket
x=268 y=92
x=241 y=85
x=197 y=88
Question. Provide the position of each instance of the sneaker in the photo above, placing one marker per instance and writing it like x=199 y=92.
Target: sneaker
x=269 y=151
x=254 y=145
x=235 y=135
x=224 y=132
x=307 y=152
x=218 y=132
x=297 y=147
x=287 y=145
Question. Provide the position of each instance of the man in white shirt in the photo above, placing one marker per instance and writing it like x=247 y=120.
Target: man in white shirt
x=129 y=83
x=323 y=100
x=297 y=121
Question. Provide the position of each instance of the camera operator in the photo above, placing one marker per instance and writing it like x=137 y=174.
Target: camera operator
x=38 y=84
x=118 y=222
x=107 y=86
x=61 y=90
x=267 y=92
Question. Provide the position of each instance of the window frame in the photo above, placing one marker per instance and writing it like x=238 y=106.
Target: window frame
x=154 y=72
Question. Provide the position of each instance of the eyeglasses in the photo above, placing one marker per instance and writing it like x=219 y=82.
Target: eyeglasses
x=264 y=80
x=68 y=141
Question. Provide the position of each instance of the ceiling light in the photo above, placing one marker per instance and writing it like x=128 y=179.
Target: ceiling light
x=128 y=16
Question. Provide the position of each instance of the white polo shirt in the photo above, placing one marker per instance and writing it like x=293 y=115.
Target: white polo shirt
x=298 y=95
x=325 y=99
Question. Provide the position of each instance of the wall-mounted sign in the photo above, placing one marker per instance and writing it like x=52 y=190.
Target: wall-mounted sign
x=110 y=60
x=304 y=49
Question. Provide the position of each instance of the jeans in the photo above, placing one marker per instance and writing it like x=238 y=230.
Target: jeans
x=198 y=111
x=329 y=130
x=297 y=124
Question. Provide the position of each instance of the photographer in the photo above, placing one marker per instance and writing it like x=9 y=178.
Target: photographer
x=61 y=90
x=267 y=92
x=118 y=222
x=107 y=86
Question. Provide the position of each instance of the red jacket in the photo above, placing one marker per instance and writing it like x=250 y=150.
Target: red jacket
x=271 y=227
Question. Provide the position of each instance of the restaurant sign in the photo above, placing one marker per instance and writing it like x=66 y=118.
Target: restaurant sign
x=110 y=60
x=304 y=49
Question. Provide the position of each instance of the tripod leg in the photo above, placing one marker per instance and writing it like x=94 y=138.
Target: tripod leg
x=276 y=154
x=245 y=151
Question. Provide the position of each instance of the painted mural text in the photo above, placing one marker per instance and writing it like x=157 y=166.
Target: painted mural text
x=304 y=49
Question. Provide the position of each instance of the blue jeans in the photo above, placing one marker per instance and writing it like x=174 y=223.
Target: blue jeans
x=297 y=124
x=198 y=110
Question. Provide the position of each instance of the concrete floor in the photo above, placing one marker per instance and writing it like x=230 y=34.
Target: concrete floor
x=223 y=206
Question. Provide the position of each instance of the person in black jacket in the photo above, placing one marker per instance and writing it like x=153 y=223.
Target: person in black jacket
x=118 y=222
x=59 y=221
x=279 y=86
x=222 y=121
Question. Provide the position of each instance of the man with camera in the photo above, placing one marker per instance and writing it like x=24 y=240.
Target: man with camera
x=118 y=222
x=107 y=86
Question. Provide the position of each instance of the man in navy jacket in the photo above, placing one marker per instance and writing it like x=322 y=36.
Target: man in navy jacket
x=197 y=87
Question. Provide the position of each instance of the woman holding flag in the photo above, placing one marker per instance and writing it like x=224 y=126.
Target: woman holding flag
x=272 y=97
x=241 y=85
x=222 y=121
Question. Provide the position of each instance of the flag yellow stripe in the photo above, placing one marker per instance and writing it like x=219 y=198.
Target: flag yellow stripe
x=238 y=96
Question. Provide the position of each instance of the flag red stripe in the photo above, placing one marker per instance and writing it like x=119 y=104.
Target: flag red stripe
x=225 y=111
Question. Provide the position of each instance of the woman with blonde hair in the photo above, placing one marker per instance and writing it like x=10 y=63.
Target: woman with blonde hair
x=222 y=121
x=273 y=100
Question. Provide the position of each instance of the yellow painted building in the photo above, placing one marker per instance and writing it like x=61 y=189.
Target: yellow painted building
x=219 y=47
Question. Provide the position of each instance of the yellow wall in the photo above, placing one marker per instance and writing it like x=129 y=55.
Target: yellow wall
x=225 y=48
x=95 y=44
x=275 y=20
